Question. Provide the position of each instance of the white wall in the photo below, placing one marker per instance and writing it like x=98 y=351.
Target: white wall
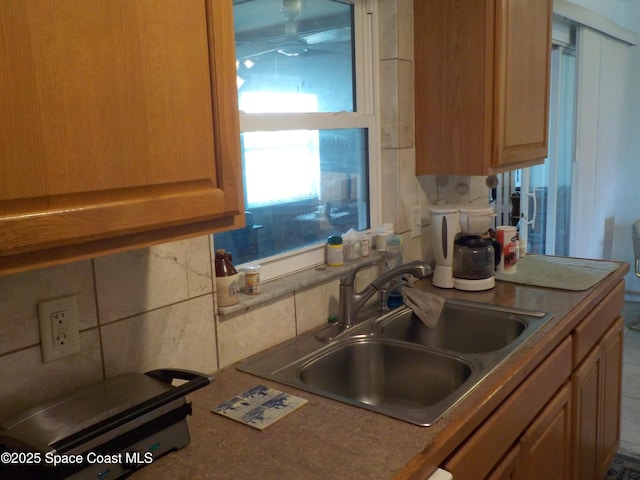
x=614 y=10
x=627 y=186
x=599 y=141
x=607 y=160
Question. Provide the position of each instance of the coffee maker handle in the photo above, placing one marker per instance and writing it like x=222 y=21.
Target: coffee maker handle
x=497 y=249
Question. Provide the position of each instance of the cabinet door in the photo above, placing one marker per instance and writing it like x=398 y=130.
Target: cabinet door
x=523 y=49
x=586 y=384
x=507 y=469
x=119 y=125
x=597 y=384
x=611 y=394
x=545 y=448
x=484 y=450
x=453 y=71
x=482 y=71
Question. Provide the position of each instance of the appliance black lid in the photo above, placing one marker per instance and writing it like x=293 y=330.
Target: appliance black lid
x=473 y=241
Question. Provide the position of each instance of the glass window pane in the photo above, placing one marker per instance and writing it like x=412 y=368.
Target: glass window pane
x=295 y=47
x=301 y=187
x=281 y=167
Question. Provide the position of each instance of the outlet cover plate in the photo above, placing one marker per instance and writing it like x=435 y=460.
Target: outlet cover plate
x=59 y=331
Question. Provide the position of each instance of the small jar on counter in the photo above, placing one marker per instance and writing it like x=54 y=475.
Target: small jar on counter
x=252 y=279
x=365 y=245
x=334 y=253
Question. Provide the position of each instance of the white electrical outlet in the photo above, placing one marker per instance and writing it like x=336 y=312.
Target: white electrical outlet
x=416 y=221
x=59 y=331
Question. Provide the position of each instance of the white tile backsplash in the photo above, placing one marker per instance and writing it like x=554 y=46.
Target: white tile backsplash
x=396 y=29
x=27 y=381
x=177 y=336
x=20 y=293
x=314 y=305
x=134 y=282
x=246 y=333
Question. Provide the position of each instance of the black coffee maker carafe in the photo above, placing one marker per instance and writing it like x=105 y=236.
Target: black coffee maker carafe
x=474 y=261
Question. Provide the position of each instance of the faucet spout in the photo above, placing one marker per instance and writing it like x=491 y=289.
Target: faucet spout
x=417 y=268
x=351 y=301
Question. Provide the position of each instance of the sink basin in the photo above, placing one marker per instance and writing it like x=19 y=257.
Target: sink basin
x=395 y=365
x=385 y=374
x=462 y=328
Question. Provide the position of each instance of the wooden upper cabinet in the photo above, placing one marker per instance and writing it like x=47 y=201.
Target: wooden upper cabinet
x=118 y=126
x=482 y=71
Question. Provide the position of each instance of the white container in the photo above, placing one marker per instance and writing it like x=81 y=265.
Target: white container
x=507 y=238
x=352 y=250
x=476 y=219
x=365 y=245
x=227 y=289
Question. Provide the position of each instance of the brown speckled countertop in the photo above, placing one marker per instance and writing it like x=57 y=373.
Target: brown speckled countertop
x=326 y=439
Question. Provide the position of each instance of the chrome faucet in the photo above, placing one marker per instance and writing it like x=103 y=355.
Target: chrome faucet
x=351 y=301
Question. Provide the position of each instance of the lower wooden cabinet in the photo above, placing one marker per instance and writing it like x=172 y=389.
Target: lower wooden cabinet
x=546 y=445
x=611 y=349
x=597 y=384
x=535 y=418
x=544 y=449
x=507 y=469
x=563 y=421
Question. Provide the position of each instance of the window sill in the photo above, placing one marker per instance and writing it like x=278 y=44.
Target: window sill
x=280 y=287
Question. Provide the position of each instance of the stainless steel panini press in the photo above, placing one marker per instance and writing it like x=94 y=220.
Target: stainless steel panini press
x=101 y=431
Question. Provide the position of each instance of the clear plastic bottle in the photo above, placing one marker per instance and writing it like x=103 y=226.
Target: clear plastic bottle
x=393 y=259
x=393 y=252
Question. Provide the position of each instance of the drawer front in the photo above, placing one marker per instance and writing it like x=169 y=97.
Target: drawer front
x=593 y=327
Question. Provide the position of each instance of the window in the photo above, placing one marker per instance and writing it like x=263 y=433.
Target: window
x=305 y=92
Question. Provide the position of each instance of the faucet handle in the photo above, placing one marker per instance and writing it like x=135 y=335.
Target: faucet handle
x=350 y=277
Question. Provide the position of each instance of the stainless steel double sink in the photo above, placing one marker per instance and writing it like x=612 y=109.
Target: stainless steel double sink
x=397 y=366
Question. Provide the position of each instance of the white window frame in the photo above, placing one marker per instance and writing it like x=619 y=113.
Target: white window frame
x=367 y=116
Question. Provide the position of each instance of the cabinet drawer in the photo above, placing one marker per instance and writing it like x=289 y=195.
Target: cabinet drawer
x=482 y=451
x=593 y=327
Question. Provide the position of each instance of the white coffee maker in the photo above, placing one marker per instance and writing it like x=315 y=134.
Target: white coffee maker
x=445 y=225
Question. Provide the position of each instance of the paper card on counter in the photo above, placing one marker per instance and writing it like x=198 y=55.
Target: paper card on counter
x=259 y=406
